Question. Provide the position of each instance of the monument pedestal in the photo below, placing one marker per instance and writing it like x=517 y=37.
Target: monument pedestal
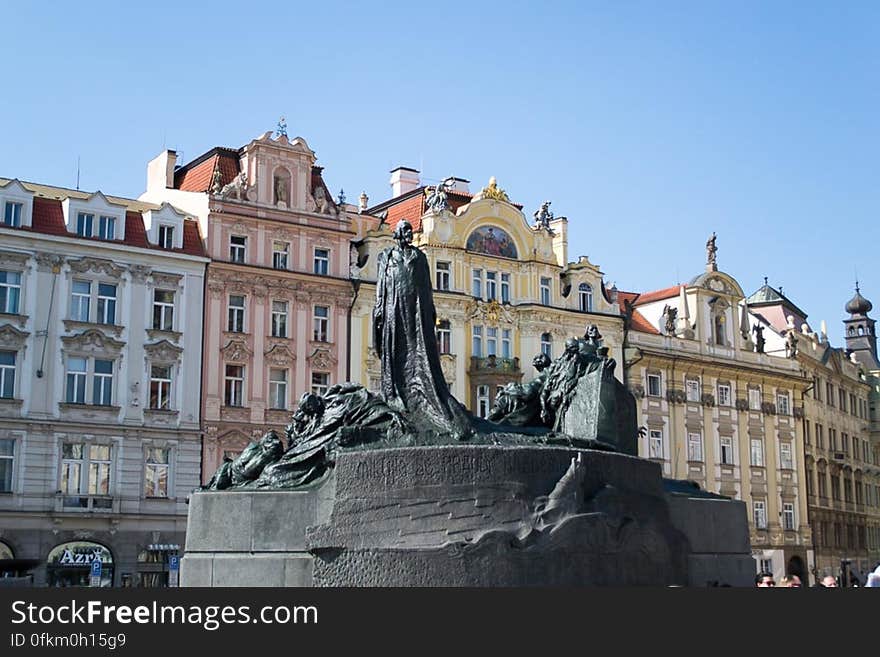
x=470 y=515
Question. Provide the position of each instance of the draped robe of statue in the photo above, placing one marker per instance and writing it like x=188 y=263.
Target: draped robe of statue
x=404 y=338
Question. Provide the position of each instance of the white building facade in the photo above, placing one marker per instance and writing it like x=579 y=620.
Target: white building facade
x=101 y=303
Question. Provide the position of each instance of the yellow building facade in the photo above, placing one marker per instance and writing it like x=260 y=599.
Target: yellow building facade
x=503 y=289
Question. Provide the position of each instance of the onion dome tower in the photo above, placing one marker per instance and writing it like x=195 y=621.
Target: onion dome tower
x=861 y=337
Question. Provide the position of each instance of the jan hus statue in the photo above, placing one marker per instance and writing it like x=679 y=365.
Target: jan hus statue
x=403 y=323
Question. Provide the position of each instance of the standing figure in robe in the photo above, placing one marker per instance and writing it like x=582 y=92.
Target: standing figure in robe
x=404 y=319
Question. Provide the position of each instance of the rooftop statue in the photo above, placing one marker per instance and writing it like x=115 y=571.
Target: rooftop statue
x=543 y=216
x=711 y=250
x=574 y=401
x=493 y=191
x=436 y=196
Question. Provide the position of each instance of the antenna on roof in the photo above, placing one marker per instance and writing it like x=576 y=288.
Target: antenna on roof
x=77 y=173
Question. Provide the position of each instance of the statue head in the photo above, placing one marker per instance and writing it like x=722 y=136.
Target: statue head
x=572 y=346
x=541 y=362
x=403 y=233
x=310 y=406
x=593 y=332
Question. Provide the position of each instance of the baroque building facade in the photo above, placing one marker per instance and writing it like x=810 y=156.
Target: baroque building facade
x=504 y=289
x=278 y=288
x=716 y=411
x=100 y=365
x=840 y=439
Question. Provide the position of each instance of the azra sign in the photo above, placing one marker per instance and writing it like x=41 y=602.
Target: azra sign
x=69 y=558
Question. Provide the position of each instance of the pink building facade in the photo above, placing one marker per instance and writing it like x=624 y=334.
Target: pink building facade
x=278 y=292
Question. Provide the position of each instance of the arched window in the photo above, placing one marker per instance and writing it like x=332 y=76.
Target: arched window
x=547 y=345
x=861 y=330
x=585 y=297
x=720 y=336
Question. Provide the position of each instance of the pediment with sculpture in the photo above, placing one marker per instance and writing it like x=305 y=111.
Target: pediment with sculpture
x=92 y=341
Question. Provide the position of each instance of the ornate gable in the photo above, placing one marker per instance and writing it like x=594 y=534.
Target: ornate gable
x=163 y=352
x=237 y=350
x=97 y=266
x=12 y=338
x=92 y=342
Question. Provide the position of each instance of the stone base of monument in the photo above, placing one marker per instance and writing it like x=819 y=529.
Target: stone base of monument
x=471 y=516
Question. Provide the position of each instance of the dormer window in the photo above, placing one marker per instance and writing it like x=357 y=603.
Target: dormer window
x=84 y=224
x=166 y=236
x=12 y=214
x=107 y=228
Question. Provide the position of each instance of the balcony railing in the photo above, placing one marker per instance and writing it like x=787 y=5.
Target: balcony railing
x=495 y=364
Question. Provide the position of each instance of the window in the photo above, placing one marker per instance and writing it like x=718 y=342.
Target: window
x=107 y=228
x=106 y=303
x=160 y=387
x=829 y=393
x=655 y=444
x=10 y=292
x=280 y=252
x=757 y=452
x=477 y=344
x=692 y=388
x=841 y=395
x=443 y=275
x=835 y=488
x=99 y=469
x=766 y=565
x=653 y=385
x=322 y=323
x=695 y=447
x=322 y=261
x=320 y=383
x=84 y=224
x=279 y=319
x=156 y=472
x=783 y=406
x=755 y=399
x=844 y=443
x=85 y=469
x=545 y=291
x=491 y=341
x=163 y=310
x=491 y=285
x=852 y=404
x=505 y=288
x=505 y=343
x=726 y=450
x=12 y=214
x=444 y=336
x=102 y=385
x=832 y=439
x=76 y=381
x=823 y=484
x=547 y=345
x=788 y=516
x=723 y=394
x=817 y=388
x=236 y=314
x=483 y=401
x=585 y=298
x=237 y=248
x=806 y=432
x=234 y=392
x=278 y=389
x=7 y=461
x=166 y=236
x=79 y=301
x=847 y=489
x=720 y=334
x=760 y=512
x=7 y=374
x=820 y=436
x=477 y=283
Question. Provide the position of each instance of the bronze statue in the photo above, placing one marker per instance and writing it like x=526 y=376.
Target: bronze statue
x=519 y=404
x=404 y=318
x=436 y=197
x=711 y=250
x=758 y=330
x=670 y=314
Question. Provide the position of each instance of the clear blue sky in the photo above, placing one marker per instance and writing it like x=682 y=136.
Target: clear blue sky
x=648 y=124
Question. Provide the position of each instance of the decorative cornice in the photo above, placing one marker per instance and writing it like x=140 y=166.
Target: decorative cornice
x=92 y=341
x=71 y=325
x=96 y=265
x=237 y=350
x=139 y=273
x=322 y=358
x=49 y=262
x=170 y=336
x=162 y=352
x=13 y=260
x=12 y=338
x=279 y=354
x=166 y=280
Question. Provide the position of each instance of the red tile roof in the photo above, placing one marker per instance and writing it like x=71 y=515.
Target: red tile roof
x=657 y=295
x=198 y=175
x=638 y=321
x=48 y=218
x=411 y=206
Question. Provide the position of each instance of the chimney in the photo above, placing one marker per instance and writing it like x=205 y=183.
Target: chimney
x=160 y=171
x=403 y=180
x=460 y=185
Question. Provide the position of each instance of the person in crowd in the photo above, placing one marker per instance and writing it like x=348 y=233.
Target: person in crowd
x=764 y=580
